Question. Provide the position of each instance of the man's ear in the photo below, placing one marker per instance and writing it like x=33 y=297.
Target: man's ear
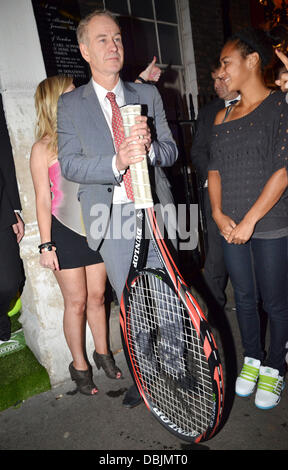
x=84 y=51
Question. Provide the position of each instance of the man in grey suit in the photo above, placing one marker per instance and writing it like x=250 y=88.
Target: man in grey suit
x=87 y=152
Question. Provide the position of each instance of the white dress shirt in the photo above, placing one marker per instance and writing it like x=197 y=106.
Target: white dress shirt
x=119 y=195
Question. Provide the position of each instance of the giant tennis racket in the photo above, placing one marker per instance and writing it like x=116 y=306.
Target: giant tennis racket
x=172 y=352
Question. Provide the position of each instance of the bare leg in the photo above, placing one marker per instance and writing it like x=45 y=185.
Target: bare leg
x=96 y=314
x=72 y=283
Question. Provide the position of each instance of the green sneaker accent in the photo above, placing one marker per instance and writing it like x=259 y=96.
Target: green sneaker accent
x=270 y=384
x=269 y=389
x=246 y=381
x=249 y=373
x=15 y=306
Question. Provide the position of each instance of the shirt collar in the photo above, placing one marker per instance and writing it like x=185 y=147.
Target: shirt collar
x=101 y=92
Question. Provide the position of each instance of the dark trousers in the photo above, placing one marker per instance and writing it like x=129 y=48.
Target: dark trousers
x=12 y=277
x=215 y=271
x=260 y=268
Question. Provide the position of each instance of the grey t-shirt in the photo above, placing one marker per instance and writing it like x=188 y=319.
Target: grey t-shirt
x=246 y=152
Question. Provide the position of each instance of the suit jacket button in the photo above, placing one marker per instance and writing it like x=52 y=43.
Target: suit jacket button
x=109 y=190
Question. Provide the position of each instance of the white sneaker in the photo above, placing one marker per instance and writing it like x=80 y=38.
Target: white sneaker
x=246 y=382
x=269 y=388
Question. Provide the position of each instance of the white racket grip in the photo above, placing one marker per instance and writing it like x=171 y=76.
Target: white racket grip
x=139 y=171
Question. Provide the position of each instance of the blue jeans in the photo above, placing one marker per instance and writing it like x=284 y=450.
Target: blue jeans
x=259 y=269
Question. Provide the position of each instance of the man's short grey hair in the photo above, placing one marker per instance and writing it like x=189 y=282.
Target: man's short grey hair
x=81 y=31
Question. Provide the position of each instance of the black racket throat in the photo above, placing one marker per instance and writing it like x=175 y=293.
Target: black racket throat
x=141 y=245
x=147 y=229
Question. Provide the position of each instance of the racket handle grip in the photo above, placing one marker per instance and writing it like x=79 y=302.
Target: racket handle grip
x=139 y=171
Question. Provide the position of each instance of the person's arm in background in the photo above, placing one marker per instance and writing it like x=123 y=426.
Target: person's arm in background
x=7 y=168
x=150 y=74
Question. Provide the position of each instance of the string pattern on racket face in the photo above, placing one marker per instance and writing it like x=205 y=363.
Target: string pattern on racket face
x=168 y=356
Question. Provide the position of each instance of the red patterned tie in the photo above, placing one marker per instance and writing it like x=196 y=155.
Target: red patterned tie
x=118 y=137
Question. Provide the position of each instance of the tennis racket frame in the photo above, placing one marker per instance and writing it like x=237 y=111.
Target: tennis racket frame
x=146 y=224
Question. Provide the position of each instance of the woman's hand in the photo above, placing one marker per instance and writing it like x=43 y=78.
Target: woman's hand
x=241 y=233
x=225 y=224
x=270 y=195
x=48 y=259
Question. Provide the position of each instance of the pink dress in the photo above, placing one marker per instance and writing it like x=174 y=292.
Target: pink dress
x=65 y=205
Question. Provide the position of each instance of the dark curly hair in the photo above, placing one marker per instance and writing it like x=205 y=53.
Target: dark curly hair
x=251 y=40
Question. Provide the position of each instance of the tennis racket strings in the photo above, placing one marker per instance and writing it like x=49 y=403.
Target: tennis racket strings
x=169 y=356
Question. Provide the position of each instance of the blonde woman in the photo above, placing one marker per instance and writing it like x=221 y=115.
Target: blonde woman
x=79 y=271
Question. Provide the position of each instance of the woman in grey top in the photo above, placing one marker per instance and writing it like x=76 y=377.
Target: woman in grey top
x=247 y=186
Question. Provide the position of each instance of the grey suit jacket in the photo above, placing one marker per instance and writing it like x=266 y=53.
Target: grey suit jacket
x=85 y=145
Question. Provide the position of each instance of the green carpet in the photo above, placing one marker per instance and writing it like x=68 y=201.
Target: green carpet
x=21 y=375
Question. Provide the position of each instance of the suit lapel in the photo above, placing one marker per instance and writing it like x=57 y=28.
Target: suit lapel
x=130 y=95
x=93 y=106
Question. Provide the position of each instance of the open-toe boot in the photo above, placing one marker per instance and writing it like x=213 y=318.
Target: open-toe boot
x=83 y=380
x=107 y=362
